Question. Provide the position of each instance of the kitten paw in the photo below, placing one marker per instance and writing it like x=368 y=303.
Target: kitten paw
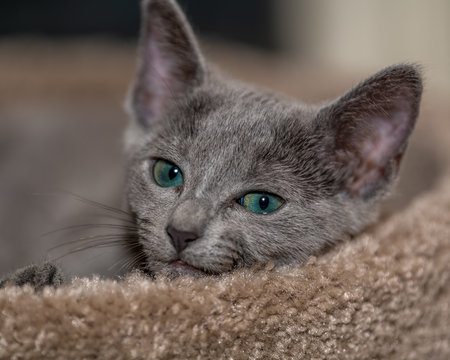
x=37 y=276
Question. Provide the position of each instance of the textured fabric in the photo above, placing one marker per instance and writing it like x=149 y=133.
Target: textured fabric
x=382 y=295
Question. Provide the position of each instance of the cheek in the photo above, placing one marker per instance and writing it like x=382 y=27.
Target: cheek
x=146 y=199
x=252 y=240
x=266 y=238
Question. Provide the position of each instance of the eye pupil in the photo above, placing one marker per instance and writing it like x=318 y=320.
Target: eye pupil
x=173 y=172
x=264 y=202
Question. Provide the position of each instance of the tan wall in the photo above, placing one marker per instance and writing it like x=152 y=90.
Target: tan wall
x=366 y=34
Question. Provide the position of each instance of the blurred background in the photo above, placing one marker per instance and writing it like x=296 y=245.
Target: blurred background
x=65 y=67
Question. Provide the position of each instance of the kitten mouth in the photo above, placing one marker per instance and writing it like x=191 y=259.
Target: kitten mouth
x=182 y=268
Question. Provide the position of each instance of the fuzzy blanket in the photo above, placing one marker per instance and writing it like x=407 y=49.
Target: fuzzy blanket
x=383 y=295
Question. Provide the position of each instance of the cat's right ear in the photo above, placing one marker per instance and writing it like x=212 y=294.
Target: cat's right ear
x=169 y=64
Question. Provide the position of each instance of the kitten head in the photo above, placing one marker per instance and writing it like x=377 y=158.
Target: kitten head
x=223 y=175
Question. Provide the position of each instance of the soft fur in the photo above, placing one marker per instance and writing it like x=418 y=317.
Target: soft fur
x=332 y=163
x=383 y=295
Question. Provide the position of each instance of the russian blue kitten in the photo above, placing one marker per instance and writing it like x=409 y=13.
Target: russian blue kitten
x=224 y=175
x=255 y=177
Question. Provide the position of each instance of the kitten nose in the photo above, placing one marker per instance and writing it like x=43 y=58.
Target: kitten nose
x=180 y=239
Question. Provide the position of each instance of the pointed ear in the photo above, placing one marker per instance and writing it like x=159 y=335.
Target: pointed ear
x=169 y=64
x=370 y=126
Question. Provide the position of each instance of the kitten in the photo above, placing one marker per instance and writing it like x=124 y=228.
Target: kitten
x=224 y=175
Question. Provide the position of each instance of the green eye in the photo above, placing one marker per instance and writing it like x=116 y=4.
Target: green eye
x=261 y=203
x=167 y=174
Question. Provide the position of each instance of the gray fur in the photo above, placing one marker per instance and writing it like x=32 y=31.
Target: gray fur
x=330 y=163
x=36 y=276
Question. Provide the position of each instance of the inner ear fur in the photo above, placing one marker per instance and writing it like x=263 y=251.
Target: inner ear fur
x=170 y=63
x=370 y=126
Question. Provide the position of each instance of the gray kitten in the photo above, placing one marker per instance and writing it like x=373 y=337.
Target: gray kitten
x=223 y=175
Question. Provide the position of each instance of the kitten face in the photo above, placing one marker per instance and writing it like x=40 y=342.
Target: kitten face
x=329 y=166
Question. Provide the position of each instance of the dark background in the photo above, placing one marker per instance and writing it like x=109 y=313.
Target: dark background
x=249 y=21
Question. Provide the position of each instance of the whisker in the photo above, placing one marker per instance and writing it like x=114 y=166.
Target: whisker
x=129 y=217
x=126 y=222
x=134 y=263
x=87 y=201
x=129 y=263
x=110 y=217
x=92 y=238
x=99 y=242
x=94 y=257
x=108 y=244
x=93 y=226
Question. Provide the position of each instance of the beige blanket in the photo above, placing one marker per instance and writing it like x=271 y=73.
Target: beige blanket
x=383 y=295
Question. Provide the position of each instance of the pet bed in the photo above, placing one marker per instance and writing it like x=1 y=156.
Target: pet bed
x=383 y=295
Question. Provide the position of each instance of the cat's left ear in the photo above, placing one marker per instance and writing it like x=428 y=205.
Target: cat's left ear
x=170 y=63
x=370 y=126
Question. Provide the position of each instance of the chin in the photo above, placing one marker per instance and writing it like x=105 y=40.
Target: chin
x=174 y=269
x=181 y=268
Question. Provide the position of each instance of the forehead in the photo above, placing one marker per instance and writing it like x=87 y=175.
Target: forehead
x=235 y=136
x=236 y=117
